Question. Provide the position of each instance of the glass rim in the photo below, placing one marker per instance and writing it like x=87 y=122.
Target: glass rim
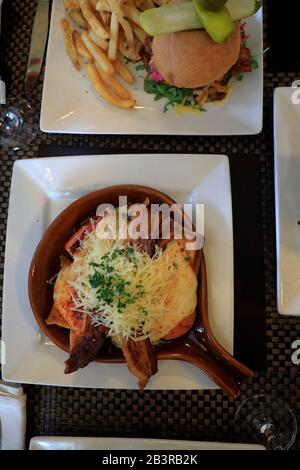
x=275 y=397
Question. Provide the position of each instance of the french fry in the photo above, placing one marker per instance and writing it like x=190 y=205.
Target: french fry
x=69 y=43
x=102 y=15
x=114 y=85
x=104 y=10
x=98 y=54
x=124 y=72
x=81 y=48
x=139 y=32
x=115 y=7
x=103 y=43
x=78 y=19
x=102 y=5
x=92 y=19
x=127 y=30
x=130 y=51
x=105 y=16
x=71 y=4
x=130 y=11
x=114 y=37
x=102 y=90
x=109 y=26
x=132 y=14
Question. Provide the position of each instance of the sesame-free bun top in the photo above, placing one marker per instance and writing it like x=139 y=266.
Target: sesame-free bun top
x=191 y=59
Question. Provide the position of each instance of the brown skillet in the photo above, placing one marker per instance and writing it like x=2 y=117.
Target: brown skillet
x=198 y=346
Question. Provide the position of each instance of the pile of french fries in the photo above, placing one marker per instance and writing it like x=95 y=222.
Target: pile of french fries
x=109 y=30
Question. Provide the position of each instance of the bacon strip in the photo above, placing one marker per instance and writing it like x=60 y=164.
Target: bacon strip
x=145 y=242
x=243 y=64
x=86 y=347
x=80 y=234
x=146 y=52
x=141 y=359
x=154 y=235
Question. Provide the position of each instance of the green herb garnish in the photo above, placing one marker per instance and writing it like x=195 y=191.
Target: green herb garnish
x=111 y=288
x=254 y=63
x=172 y=94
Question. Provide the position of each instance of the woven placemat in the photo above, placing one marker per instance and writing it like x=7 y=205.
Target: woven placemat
x=202 y=415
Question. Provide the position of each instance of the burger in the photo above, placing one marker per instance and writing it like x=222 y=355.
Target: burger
x=192 y=60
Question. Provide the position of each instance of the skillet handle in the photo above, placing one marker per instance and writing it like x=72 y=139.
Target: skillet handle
x=217 y=369
x=203 y=335
x=208 y=343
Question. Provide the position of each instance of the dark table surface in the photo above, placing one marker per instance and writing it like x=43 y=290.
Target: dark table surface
x=263 y=339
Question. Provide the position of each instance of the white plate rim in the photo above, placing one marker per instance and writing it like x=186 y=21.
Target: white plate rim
x=249 y=130
x=279 y=94
x=137 y=443
x=21 y=163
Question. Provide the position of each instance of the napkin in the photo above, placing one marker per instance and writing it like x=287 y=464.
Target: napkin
x=12 y=417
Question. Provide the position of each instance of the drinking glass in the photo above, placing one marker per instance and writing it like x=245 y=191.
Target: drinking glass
x=267 y=419
x=18 y=123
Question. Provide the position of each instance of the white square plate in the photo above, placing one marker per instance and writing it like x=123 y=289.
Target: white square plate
x=70 y=105
x=110 y=443
x=287 y=196
x=42 y=188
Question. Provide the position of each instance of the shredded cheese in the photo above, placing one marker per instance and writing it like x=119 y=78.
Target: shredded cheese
x=156 y=293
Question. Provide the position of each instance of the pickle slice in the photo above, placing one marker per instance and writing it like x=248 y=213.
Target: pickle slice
x=213 y=5
x=218 y=24
x=183 y=17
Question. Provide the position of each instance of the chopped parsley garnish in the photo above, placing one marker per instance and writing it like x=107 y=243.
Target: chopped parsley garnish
x=254 y=63
x=172 y=94
x=187 y=259
x=254 y=66
x=111 y=288
x=96 y=279
x=128 y=252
